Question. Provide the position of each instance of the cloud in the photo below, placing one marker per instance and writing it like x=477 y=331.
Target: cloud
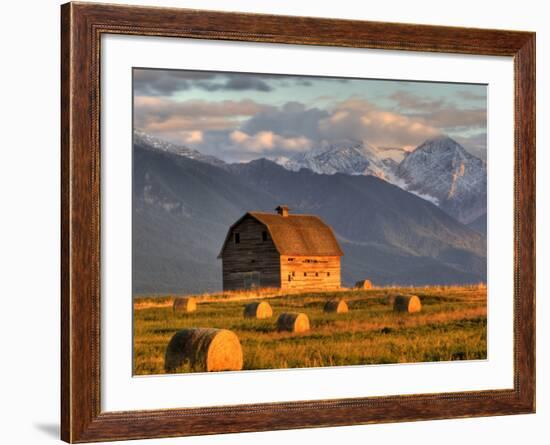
x=167 y=83
x=167 y=107
x=245 y=129
x=451 y=118
x=360 y=120
x=408 y=101
x=354 y=118
x=440 y=113
x=292 y=119
x=265 y=141
x=153 y=82
x=236 y=82
x=155 y=114
x=192 y=137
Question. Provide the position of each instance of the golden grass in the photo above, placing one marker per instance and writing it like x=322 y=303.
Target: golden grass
x=208 y=297
x=451 y=326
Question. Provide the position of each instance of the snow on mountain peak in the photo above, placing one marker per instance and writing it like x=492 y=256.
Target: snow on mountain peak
x=169 y=147
x=350 y=157
x=443 y=169
x=442 y=144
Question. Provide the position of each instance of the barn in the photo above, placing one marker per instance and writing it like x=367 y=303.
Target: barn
x=280 y=250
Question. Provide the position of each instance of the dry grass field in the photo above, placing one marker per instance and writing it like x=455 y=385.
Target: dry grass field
x=451 y=326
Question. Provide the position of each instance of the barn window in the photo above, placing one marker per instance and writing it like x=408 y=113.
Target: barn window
x=328 y=274
x=316 y=274
x=237 y=238
x=291 y=259
x=305 y=274
x=264 y=236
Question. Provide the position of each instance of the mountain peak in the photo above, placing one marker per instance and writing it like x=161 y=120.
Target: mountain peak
x=441 y=168
x=441 y=138
x=441 y=143
x=346 y=156
x=155 y=143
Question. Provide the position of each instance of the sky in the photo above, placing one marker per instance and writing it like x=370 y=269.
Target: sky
x=243 y=116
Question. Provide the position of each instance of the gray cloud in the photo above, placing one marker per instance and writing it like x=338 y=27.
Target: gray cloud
x=293 y=119
x=439 y=113
x=236 y=83
x=408 y=101
x=167 y=82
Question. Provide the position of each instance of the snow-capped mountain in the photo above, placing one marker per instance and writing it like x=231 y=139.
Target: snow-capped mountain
x=143 y=138
x=439 y=170
x=442 y=169
x=349 y=157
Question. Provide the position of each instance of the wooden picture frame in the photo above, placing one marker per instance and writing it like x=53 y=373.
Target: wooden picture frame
x=82 y=26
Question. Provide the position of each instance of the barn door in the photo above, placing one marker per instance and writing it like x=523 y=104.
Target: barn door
x=251 y=280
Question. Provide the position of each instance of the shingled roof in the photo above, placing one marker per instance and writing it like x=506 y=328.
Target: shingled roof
x=297 y=234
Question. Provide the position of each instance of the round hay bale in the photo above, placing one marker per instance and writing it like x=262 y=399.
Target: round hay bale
x=205 y=349
x=185 y=304
x=363 y=284
x=293 y=322
x=338 y=306
x=258 y=309
x=407 y=303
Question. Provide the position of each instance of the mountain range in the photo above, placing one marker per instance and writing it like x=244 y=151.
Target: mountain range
x=439 y=170
x=184 y=203
x=349 y=157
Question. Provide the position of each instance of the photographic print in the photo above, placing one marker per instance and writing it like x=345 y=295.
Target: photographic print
x=284 y=221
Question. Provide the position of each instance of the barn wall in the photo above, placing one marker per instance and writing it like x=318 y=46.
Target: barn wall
x=241 y=262
x=310 y=273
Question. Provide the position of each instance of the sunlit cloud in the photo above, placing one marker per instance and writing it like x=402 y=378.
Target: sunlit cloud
x=266 y=141
x=360 y=120
x=154 y=114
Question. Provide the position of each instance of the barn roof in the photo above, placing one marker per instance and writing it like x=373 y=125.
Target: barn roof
x=296 y=234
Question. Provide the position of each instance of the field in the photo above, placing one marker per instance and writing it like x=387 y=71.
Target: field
x=451 y=326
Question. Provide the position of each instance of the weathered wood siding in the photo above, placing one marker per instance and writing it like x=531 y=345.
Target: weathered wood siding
x=252 y=262
x=310 y=272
